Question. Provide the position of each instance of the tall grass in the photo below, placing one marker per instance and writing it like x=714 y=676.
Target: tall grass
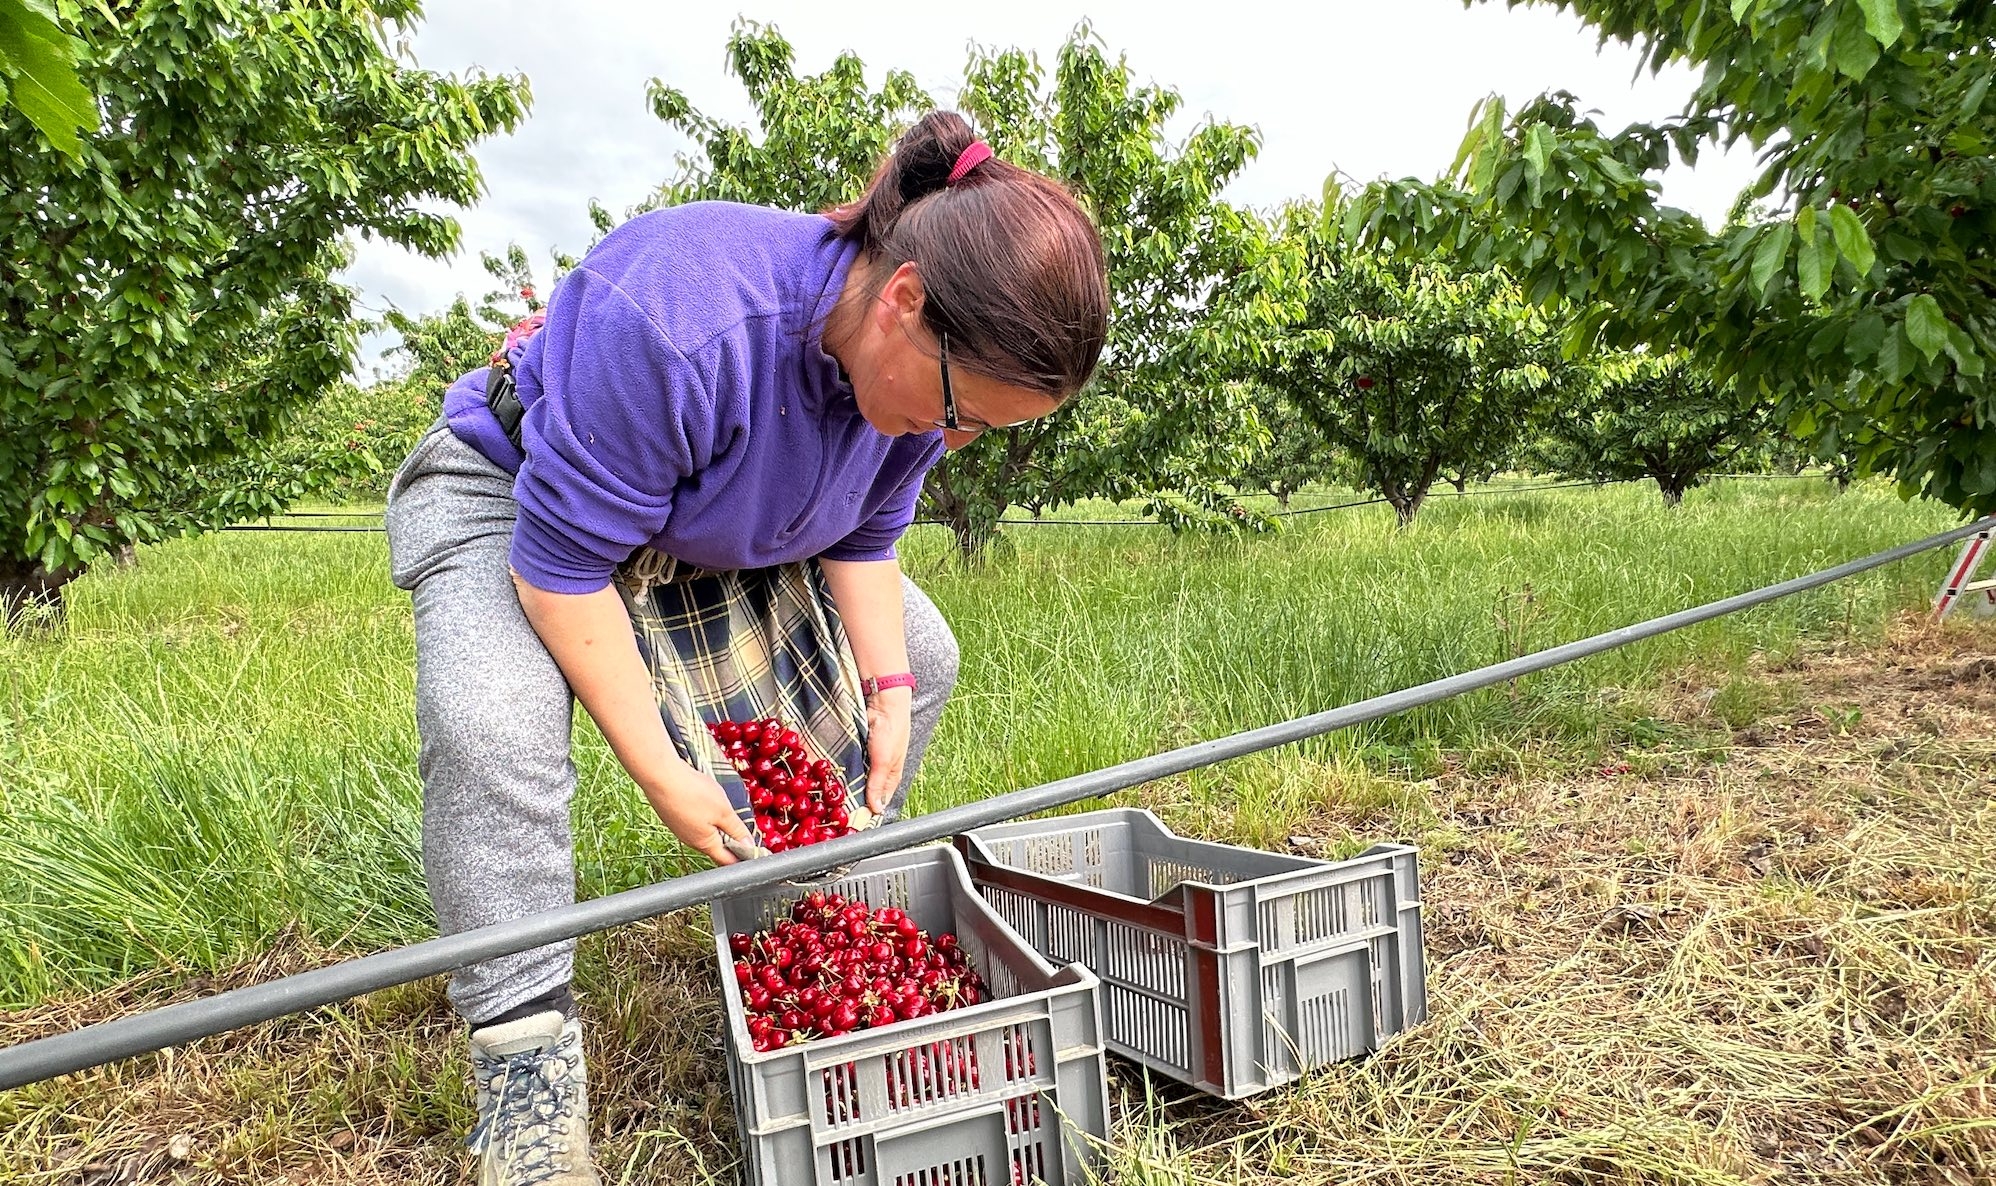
x=221 y=744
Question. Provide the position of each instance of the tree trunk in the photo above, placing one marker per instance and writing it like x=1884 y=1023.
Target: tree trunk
x=1461 y=484
x=974 y=534
x=1673 y=492
x=970 y=523
x=31 y=596
x=1406 y=504
x=1406 y=491
x=970 y=502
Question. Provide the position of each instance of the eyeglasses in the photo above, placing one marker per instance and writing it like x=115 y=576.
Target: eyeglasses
x=970 y=426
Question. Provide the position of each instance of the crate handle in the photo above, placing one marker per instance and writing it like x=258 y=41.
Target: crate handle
x=1155 y=916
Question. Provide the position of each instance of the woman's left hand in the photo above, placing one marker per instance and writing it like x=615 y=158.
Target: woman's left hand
x=888 y=721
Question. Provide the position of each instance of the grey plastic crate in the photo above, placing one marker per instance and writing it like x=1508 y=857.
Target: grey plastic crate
x=1006 y=1091
x=1231 y=969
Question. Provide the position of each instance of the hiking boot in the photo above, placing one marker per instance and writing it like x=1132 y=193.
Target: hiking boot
x=533 y=1103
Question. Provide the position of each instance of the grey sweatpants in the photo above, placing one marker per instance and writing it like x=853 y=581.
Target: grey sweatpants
x=493 y=713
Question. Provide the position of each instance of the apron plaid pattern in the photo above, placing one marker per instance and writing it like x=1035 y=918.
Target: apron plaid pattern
x=742 y=645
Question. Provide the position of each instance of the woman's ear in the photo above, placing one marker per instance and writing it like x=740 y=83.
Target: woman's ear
x=901 y=299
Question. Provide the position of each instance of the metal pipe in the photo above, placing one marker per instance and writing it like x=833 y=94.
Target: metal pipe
x=171 y=1025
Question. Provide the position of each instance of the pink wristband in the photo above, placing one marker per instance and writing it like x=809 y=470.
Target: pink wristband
x=875 y=683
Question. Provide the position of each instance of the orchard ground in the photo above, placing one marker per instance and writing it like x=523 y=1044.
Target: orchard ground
x=1715 y=909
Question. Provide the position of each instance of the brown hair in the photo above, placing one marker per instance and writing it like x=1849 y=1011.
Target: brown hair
x=1012 y=268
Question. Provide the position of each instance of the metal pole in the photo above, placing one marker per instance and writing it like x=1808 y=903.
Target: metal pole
x=172 y=1025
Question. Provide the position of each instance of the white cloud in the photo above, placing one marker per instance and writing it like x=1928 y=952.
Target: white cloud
x=1372 y=87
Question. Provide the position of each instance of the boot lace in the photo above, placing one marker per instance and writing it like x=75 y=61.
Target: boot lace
x=528 y=1119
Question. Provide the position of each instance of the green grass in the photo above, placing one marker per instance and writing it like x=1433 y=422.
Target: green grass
x=222 y=744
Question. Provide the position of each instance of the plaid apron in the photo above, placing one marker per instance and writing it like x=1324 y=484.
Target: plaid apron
x=739 y=646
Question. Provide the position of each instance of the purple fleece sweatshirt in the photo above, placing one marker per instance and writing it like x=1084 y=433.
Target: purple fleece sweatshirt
x=679 y=398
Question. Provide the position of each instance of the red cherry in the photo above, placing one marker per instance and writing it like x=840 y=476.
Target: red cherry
x=1364 y=383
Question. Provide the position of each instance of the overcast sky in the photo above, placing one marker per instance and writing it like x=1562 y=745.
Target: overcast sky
x=1370 y=87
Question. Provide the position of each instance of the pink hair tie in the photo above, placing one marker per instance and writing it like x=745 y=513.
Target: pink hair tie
x=973 y=156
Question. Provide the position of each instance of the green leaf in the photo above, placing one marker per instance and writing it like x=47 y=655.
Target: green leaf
x=1853 y=241
x=1772 y=253
x=1895 y=358
x=1961 y=348
x=1881 y=20
x=1813 y=259
x=1867 y=334
x=1486 y=129
x=1856 y=52
x=1740 y=8
x=1926 y=326
x=1971 y=100
x=1538 y=148
x=1357 y=214
x=39 y=60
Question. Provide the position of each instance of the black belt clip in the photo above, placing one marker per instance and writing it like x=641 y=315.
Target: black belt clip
x=502 y=396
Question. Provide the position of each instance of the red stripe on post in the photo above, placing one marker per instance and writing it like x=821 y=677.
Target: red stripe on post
x=1970 y=556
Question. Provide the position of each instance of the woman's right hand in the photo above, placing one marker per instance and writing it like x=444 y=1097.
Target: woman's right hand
x=697 y=810
x=590 y=637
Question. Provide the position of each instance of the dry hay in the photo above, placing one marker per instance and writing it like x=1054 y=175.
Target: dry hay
x=1771 y=964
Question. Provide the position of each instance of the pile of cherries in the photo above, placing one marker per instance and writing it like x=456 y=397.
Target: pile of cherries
x=835 y=967
x=796 y=801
